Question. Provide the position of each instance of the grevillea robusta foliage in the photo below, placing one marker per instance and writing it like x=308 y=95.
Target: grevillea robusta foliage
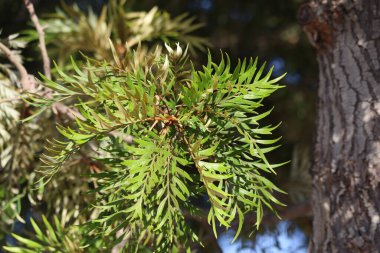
x=164 y=135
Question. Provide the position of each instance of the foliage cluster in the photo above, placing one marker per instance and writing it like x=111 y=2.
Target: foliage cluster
x=152 y=137
x=70 y=30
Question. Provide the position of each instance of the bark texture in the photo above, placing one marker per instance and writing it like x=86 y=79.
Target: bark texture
x=346 y=169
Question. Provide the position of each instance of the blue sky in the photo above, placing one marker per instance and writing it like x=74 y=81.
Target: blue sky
x=286 y=242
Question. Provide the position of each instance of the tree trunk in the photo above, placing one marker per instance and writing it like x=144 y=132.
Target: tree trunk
x=346 y=170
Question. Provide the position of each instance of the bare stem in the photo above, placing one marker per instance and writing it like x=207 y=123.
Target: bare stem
x=28 y=83
x=41 y=37
x=8 y=100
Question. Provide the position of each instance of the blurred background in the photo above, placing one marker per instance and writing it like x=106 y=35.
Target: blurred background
x=241 y=28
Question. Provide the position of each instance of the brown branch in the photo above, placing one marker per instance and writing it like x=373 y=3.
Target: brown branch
x=118 y=247
x=29 y=84
x=288 y=213
x=60 y=108
x=8 y=100
x=41 y=37
x=27 y=81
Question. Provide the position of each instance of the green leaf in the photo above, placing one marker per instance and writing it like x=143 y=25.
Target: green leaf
x=240 y=224
x=208 y=151
x=15 y=249
x=37 y=230
x=49 y=229
x=27 y=242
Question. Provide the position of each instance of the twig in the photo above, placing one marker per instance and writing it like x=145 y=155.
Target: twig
x=66 y=110
x=41 y=37
x=29 y=84
x=7 y=100
x=118 y=247
x=27 y=81
x=288 y=213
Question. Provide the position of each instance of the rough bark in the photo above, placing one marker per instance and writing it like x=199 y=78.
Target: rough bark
x=346 y=170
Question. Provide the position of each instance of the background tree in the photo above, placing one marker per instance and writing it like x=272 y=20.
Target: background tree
x=346 y=169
